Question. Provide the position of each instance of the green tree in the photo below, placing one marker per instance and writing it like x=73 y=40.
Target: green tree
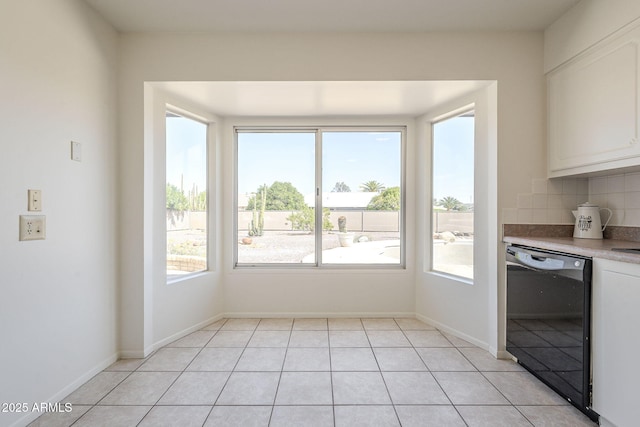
x=450 y=203
x=387 y=200
x=281 y=196
x=372 y=187
x=341 y=187
x=305 y=219
x=176 y=200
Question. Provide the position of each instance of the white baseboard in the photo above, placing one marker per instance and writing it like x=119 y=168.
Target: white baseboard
x=131 y=354
x=141 y=354
x=605 y=422
x=68 y=389
x=503 y=354
x=181 y=334
x=454 y=332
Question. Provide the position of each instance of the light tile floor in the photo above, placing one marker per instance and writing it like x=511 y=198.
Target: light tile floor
x=316 y=372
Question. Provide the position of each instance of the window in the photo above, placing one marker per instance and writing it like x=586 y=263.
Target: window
x=275 y=172
x=186 y=195
x=453 y=191
x=313 y=197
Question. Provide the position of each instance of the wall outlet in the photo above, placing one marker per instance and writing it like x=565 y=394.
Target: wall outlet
x=32 y=227
x=35 y=200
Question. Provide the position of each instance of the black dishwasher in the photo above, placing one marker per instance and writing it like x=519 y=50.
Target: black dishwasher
x=549 y=320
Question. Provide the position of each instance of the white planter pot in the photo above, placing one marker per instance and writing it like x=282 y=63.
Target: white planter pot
x=346 y=239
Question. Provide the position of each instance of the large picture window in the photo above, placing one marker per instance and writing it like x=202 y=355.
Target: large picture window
x=186 y=195
x=452 y=215
x=318 y=197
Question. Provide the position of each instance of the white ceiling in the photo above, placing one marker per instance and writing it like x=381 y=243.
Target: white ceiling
x=335 y=98
x=330 y=15
x=325 y=98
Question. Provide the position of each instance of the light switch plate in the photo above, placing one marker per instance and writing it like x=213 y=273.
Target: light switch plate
x=35 y=200
x=32 y=227
x=76 y=151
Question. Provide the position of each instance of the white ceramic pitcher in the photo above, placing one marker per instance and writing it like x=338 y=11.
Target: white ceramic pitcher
x=588 y=223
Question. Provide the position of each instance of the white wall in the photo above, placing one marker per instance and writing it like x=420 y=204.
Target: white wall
x=337 y=292
x=153 y=312
x=58 y=296
x=466 y=308
x=584 y=25
x=186 y=304
x=477 y=311
x=513 y=59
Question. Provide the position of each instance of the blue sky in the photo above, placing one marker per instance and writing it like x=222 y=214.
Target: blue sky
x=186 y=153
x=351 y=157
x=453 y=142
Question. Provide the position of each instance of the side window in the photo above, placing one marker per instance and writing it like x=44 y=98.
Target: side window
x=186 y=195
x=453 y=194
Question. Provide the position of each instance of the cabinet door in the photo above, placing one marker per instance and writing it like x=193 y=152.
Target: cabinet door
x=615 y=340
x=594 y=114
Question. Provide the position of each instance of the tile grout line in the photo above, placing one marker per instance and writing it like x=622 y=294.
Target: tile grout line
x=433 y=376
x=185 y=370
x=395 y=410
x=290 y=331
x=380 y=372
x=93 y=405
x=127 y=376
x=333 y=398
x=225 y=383
x=230 y=373
x=284 y=359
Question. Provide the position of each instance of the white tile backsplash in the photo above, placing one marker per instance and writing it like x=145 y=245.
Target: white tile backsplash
x=615 y=184
x=632 y=200
x=525 y=201
x=600 y=199
x=598 y=185
x=632 y=182
x=552 y=200
x=631 y=217
x=539 y=186
x=569 y=186
x=525 y=216
x=614 y=201
x=554 y=186
x=569 y=201
x=509 y=216
x=554 y=216
x=582 y=186
x=540 y=216
x=540 y=201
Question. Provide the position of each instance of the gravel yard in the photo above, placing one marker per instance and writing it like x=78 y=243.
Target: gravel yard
x=293 y=246
x=272 y=247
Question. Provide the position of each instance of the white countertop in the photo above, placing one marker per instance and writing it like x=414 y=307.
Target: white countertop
x=595 y=248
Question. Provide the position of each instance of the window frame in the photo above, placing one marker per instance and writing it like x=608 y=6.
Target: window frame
x=441 y=118
x=186 y=114
x=319 y=130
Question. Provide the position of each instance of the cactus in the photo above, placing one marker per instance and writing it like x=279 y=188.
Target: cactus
x=256 y=227
x=342 y=224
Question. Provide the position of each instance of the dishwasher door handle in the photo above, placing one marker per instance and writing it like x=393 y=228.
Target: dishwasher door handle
x=536 y=261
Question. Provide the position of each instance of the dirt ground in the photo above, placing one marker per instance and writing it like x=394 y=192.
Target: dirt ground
x=271 y=247
x=292 y=246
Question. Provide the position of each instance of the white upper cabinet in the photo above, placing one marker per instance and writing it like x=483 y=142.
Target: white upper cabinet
x=594 y=109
